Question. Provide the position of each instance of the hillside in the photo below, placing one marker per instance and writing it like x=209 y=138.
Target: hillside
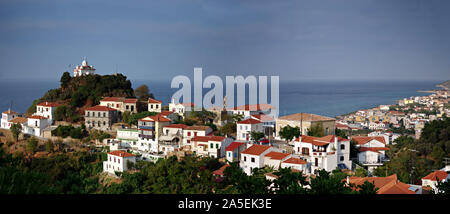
x=78 y=93
x=445 y=85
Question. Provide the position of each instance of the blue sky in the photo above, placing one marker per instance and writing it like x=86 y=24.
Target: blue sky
x=297 y=40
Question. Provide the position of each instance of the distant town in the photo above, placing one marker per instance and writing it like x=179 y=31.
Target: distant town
x=133 y=128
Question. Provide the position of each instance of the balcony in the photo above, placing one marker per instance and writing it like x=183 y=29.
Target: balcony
x=146 y=127
x=147 y=136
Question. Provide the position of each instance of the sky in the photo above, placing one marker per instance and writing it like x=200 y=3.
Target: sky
x=295 y=40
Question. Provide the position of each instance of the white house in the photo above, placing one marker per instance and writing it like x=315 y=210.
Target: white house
x=371 y=151
x=389 y=137
x=274 y=159
x=7 y=116
x=431 y=180
x=36 y=124
x=328 y=152
x=154 y=105
x=128 y=138
x=234 y=150
x=117 y=161
x=244 y=128
x=149 y=130
x=182 y=109
x=210 y=146
x=193 y=131
x=247 y=110
x=253 y=157
x=296 y=163
x=46 y=109
x=120 y=104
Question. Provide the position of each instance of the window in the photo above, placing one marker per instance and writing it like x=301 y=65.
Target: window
x=104 y=114
x=245 y=158
x=118 y=160
x=127 y=107
x=240 y=126
x=342 y=158
x=87 y=114
x=195 y=134
x=156 y=106
x=253 y=160
x=98 y=114
x=151 y=106
x=229 y=154
x=217 y=145
x=117 y=105
x=342 y=146
x=189 y=133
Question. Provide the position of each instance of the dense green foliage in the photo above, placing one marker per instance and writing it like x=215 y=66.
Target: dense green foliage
x=256 y=135
x=16 y=129
x=143 y=93
x=289 y=133
x=62 y=173
x=316 y=131
x=66 y=131
x=86 y=90
x=413 y=159
x=32 y=144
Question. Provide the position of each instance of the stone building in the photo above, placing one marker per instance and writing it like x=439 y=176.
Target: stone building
x=100 y=117
x=305 y=121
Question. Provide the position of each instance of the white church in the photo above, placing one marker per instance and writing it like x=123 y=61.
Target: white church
x=83 y=69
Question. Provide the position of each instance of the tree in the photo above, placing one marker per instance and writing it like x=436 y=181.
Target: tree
x=367 y=188
x=16 y=129
x=289 y=133
x=289 y=182
x=316 y=130
x=143 y=93
x=49 y=146
x=32 y=144
x=256 y=135
x=326 y=183
x=126 y=117
x=360 y=172
x=65 y=79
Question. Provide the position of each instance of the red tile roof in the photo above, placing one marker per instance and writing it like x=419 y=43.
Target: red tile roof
x=48 y=104
x=113 y=99
x=295 y=161
x=373 y=149
x=176 y=126
x=158 y=117
x=363 y=140
x=207 y=138
x=318 y=141
x=263 y=117
x=100 y=108
x=441 y=175
x=37 y=117
x=130 y=100
x=233 y=146
x=18 y=120
x=121 y=154
x=198 y=128
x=150 y=100
x=10 y=112
x=249 y=121
x=254 y=107
x=386 y=185
x=220 y=170
x=276 y=155
x=255 y=149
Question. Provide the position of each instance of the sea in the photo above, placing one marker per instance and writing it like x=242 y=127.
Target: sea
x=328 y=98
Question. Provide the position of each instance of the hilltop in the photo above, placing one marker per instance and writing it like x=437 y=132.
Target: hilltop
x=77 y=93
x=445 y=85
